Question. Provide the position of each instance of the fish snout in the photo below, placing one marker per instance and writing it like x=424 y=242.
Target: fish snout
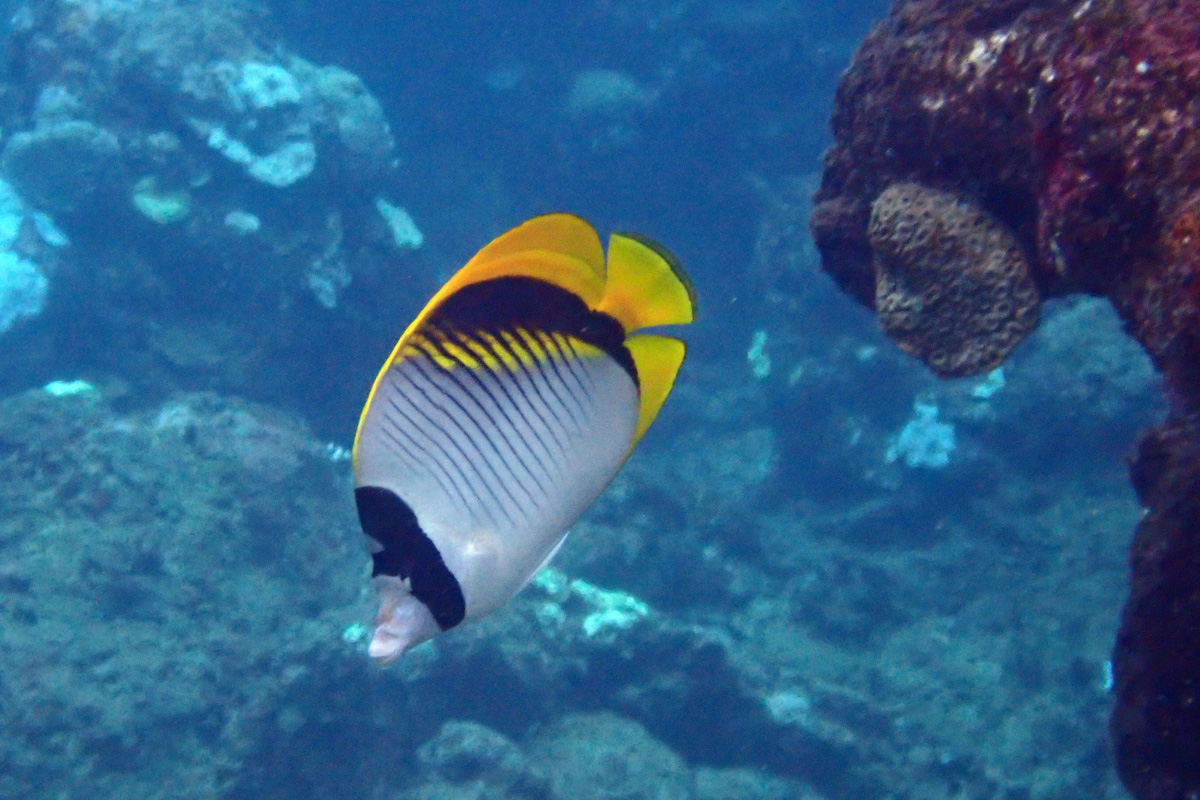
x=403 y=622
x=385 y=647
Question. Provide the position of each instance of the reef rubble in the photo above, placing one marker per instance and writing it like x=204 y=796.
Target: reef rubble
x=1068 y=132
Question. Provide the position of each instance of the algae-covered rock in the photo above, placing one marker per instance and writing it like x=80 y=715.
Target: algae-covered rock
x=23 y=289
x=467 y=754
x=184 y=112
x=63 y=168
x=604 y=756
x=160 y=574
x=158 y=205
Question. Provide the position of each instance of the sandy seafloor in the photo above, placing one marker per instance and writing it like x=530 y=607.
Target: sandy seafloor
x=824 y=573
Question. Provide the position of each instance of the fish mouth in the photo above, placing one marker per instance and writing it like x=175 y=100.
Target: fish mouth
x=385 y=647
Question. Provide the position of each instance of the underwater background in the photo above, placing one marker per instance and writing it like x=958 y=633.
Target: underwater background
x=823 y=574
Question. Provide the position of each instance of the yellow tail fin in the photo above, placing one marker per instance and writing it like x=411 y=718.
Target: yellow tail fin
x=646 y=285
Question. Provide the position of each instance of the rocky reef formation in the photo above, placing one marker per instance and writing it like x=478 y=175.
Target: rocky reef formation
x=120 y=605
x=194 y=168
x=183 y=592
x=1068 y=131
x=767 y=605
x=1157 y=721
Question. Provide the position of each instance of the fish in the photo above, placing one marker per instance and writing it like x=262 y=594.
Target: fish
x=505 y=409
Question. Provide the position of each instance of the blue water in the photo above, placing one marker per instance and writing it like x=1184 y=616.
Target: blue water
x=743 y=90
x=847 y=594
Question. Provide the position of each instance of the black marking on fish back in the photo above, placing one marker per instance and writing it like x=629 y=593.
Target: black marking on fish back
x=409 y=554
x=505 y=304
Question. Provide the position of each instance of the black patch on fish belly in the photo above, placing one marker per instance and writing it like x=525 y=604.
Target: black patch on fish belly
x=409 y=554
x=505 y=304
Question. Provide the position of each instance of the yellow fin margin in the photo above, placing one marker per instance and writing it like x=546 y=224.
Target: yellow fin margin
x=646 y=285
x=658 y=359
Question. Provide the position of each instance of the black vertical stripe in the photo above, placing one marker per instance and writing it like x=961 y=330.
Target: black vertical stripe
x=473 y=463
x=541 y=341
x=572 y=363
x=463 y=341
x=538 y=379
x=531 y=343
x=462 y=460
x=420 y=461
x=514 y=346
x=524 y=406
x=575 y=361
x=493 y=402
x=409 y=554
x=446 y=468
x=485 y=432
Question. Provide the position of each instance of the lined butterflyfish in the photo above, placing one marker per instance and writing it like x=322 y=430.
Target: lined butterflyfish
x=503 y=412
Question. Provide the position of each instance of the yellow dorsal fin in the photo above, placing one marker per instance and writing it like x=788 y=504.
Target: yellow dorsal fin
x=657 y=359
x=560 y=233
x=646 y=285
x=561 y=249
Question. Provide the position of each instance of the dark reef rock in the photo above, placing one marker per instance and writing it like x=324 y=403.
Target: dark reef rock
x=65 y=167
x=178 y=587
x=938 y=95
x=1074 y=128
x=469 y=753
x=593 y=744
x=1156 y=724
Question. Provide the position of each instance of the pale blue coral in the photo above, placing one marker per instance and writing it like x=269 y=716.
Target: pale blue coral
x=23 y=289
x=924 y=441
x=23 y=285
x=609 y=610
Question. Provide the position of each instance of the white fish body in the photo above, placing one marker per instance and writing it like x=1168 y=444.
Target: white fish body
x=504 y=411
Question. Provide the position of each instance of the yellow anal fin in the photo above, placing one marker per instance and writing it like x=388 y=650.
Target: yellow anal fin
x=646 y=285
x=657 y=359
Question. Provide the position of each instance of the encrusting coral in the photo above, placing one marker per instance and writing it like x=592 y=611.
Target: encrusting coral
x=1062 y=141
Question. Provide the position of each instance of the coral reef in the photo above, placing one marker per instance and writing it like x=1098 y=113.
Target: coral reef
x=761 y=608
x=126 y=620
x=923 y=441
x=592 y=743
x=29 y=244
x=1156 y=724
x=1071 y=129
x=951 y=284
x=470 y=754
x=64 y=167
x=187 y=153
x=999 y=105
x=190 y=576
